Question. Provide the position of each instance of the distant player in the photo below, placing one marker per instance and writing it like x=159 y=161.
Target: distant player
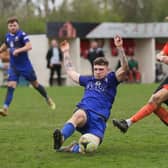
x=19 y=44
x=154 y=104
x=93 y=110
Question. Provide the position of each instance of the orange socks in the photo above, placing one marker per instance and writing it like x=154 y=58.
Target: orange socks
x=143 y=112
x=162 y=113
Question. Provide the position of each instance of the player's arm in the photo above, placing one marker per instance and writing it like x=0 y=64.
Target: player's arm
x=25 y=48
x=3 y=48
x=162 y=57
x=70 y=70
x=122 y=71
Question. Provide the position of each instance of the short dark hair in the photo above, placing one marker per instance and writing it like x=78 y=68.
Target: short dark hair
x=101 y=61
x=12 y=19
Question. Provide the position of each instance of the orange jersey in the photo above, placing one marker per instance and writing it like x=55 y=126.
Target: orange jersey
x=165 y=49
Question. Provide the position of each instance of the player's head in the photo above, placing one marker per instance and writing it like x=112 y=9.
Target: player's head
x=13 y=25
x=93 y=44
x=100 y=67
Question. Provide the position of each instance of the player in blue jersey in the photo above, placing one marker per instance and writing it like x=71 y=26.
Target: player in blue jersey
x=93 y=110
x=18 y=44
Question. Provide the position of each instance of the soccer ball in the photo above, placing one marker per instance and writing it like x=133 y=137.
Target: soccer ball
x=88 y=143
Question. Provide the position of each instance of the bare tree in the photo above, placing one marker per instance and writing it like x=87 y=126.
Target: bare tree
x=8 y=7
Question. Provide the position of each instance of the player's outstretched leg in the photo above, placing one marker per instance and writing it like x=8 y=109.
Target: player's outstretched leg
x=122 y=125
x=61 y=135
x=88 y=143
x=8 y=100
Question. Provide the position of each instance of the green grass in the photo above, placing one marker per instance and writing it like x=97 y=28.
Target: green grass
x=26 y=134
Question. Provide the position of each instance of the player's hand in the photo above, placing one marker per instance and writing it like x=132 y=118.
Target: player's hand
x=64 y=46
x=159 y=57
x=118 y=41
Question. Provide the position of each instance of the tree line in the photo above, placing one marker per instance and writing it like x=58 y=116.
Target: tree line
x=34 y=14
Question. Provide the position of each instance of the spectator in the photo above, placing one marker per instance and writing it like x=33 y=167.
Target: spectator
x=94 y=52
x=160 y=74
x=54 y=62
x=134 y=74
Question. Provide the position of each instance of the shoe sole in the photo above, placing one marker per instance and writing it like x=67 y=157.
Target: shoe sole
x=116 y=124
x=57 y=139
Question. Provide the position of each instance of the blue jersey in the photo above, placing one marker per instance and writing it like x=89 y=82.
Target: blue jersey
x=99 y=95
x=14 y=41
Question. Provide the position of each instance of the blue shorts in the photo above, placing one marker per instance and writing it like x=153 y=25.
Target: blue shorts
x=28 y=74
x=95 y=125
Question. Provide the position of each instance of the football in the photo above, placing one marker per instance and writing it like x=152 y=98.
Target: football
x=88 y=143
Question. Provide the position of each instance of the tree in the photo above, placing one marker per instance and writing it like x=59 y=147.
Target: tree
x=8 y=7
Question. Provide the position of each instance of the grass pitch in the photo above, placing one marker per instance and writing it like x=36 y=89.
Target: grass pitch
x=26 y=134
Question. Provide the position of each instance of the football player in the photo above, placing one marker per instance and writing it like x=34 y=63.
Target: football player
x=18 y=43
x=93 y=110
x=154 y=104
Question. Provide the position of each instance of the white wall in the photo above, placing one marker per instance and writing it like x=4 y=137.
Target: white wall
x=145 y=54
x=38 y=57
x=113 y=60
x=75 y=54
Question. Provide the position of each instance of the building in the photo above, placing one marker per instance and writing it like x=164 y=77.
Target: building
x=143 y=40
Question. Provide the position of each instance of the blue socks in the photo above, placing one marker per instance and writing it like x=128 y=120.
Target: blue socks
x=68 y=130
x=41 y=90
x=9 y=97
x=75 y=148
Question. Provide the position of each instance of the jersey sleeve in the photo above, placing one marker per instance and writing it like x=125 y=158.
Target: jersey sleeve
x=25 y=37
x=165 y=49
x=83 y=80
x=112 y=79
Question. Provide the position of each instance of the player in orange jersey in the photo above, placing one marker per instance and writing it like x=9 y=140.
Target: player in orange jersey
x=154 y=104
